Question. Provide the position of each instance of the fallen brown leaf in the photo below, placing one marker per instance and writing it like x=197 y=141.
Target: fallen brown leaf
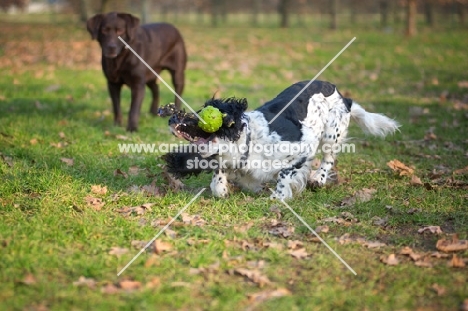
x=425 y=263
x=391 y=260
x=254 y=276
x=33 y=141
x=119 y=172
x=431 y=229
x=28 y=279
x=174 y=183
x=415 y=181
x=194 y=220
x=161 y=247
x=452 y=246
x=244 y=227
x=361 y=196
x=129 y=285
x=456 y=262
x=276 y=210
x=298 y=253
x=400 y=168
x=273 y=245
x=83 y=281
x=139 y=210
x=68 y=161
x=118 y=251
x=262 y=296
x=440 y=290
x=280 y=228
x=110 y=289
x=322 y=229
x=95 y=203
x=98 y=189
x=374 y=244
x=461 y=171
x=295 y=244
x=155 y=282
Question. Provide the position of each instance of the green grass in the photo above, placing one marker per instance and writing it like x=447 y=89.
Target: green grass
x=48 y=230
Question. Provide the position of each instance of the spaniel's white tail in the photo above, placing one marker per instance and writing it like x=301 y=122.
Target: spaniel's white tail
x=373 y=123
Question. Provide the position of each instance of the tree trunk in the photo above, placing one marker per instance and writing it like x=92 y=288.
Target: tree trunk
x=429 y=12
x=83 y=11
x=283 y=10
x=461 y=13
x=411 y=12
x=256 y=9
x=215 y=12
x=334 y=14
x=384 y=8
x=103 y=7
x=144 y=11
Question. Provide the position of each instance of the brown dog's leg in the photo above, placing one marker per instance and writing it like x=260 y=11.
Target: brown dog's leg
x=178 y=82
x=114 y=91
x=154 y=87
x=138 y=93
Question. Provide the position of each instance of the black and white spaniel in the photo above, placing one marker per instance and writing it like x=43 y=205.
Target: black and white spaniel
x=249 y=150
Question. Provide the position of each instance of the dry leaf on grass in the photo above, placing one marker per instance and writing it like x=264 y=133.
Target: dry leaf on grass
x=194 y=220
x=415 y=181
x=253 y=275
x=298 y=253
x=461 y=171
x=374 y=244
x=440 y=290
x=322 y=229
x=83 y=281
x=68 y=161
x=174 y=183
x=28 y=279
x=98 y=189
x=161 y=246
x=431 y=229
x=155 y=282
x=118 y=251
x=400 y=168
x=139 y=210
x=452 y=246
x=95 y=203
x=390 y=260
x=262 y=296
x=295 y=244
x=279 y=228
x=276 y=210
x=33 y=141
x=243 y=228
x=110 y=289
x=119 y=172
x=273 y=245
x=377 y=221
x=424 y=263
x=456 y=262
x=361 y=196
x=128 y=285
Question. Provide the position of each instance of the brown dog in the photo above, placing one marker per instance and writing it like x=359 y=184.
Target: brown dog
x=160 y=45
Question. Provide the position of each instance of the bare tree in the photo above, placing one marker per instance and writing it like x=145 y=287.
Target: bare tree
x=283 y=10
x=411 y=12
x=333 y=14
x=384 y=11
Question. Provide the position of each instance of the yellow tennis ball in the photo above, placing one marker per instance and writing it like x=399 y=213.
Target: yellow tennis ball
x=213 y=118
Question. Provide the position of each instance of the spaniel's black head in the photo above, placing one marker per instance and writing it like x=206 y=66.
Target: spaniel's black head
x=185 y=125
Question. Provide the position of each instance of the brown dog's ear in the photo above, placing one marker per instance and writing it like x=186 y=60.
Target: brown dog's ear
x=93 y=24
x=132 y=23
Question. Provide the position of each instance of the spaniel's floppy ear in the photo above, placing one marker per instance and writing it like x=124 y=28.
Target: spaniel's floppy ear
x=131 y=22
x=94 y=24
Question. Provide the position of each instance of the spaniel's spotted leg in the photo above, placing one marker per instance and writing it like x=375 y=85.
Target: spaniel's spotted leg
x=219 y=184
x=335 y=132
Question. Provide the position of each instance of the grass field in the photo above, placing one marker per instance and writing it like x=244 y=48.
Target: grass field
x=58 y=142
